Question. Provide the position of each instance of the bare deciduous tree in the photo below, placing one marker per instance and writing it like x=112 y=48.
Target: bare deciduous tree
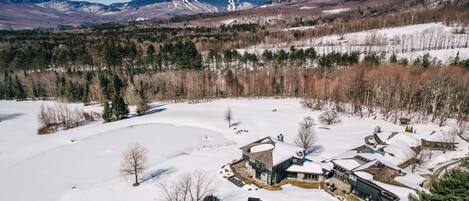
x=133 y=162
x=306 y=136
x=228 y=116
x=463 y=128
x=329 y=117
x=189 y=187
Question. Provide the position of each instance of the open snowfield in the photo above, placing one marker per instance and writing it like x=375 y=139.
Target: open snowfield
x=181 y=138
x=437 y=39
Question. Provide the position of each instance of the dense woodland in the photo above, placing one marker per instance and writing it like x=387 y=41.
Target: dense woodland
x=135 y=62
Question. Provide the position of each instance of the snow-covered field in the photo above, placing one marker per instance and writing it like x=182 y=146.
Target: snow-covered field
x=181 y=138
x=439 y=40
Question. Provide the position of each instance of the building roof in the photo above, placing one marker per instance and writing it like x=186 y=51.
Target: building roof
x=390 y=178
x=307 y=167
x=348 y=163
x=397 y=151
x=272 y=152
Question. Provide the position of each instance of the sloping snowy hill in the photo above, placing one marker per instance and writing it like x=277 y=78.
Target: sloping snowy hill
x=180 y=138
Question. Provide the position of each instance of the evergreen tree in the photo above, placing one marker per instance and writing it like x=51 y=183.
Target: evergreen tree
x=107 y=112
x=2 y=91
x=119 y=108
x=35 y=91
x=104 y=85
x=86 y=94
x=150 y=56
x=142 y=106
x=454 y=187
x=20 y=94
x=116 y=84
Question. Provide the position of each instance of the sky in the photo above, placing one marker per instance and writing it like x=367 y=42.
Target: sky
x=107 y=1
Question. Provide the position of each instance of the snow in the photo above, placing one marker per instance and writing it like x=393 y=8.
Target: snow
x=262 y=147
x=180 y=138
x=410 y=180
x=336 y=11
x=307 y=7
x=299 y=28
x=307 y=167
x=409 y=42
x=402 y=192
x=364 y=175
x=284 y=151
x=348 y=164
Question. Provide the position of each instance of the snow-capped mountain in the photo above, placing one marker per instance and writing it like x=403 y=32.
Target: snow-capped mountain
x=48 y=13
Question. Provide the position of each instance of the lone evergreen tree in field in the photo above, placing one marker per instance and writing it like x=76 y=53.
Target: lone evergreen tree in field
x=107 y=112
x=142 y=106
x=119 y=107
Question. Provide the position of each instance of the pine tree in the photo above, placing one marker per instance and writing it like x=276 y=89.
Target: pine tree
x=107 y=112
x=116 y=84
x=104 y=85
x=86 y=97
x=142 y=106
x=20 y=94
x=2 y=91
x=35 y=91
x=119 y=107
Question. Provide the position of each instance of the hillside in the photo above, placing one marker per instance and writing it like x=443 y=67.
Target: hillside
x=180 y=137
x=73 y=13
x=48 y=13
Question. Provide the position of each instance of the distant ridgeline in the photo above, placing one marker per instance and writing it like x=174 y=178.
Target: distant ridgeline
x=193 y=63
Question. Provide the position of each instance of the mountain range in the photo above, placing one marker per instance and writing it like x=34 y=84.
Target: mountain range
x=50 y=13
x=21 y=14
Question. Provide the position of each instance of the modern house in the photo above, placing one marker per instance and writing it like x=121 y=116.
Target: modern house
x=342 y=168
x=308 y=171
x=379 y=181
x=272 y=160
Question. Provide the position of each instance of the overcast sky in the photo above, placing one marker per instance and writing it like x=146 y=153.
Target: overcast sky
x=107 y=1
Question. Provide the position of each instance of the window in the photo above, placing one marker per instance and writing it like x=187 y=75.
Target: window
x=311 y=177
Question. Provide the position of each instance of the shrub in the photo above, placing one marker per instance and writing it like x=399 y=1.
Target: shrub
x=404 y=121
x=60 y=116
x=329 y=117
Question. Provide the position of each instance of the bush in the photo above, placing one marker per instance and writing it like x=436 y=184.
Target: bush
x=404 y=121
x=211 y=198
x=54 y=117
x=329 y=117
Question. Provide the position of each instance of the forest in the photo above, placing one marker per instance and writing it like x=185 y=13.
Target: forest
x=94 y=64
